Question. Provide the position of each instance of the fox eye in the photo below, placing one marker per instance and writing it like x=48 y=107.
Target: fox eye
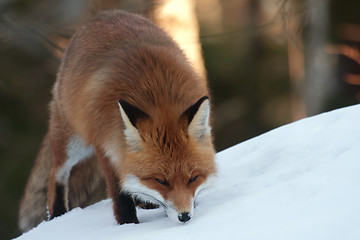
x=162 y=182
x=193 y=179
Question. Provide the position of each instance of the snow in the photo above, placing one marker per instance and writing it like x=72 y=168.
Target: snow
x=300 y=181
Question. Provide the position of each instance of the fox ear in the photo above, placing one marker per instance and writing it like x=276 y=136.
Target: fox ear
x=130 y=115
x=198 y=118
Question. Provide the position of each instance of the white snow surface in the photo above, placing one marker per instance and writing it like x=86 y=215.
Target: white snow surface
x=299 y=181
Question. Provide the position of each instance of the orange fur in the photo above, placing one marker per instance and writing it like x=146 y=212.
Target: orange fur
x=124 y=56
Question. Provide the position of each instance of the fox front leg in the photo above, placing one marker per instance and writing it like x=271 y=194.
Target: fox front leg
x=57 y=197
x=124 y=209
x=123 y=203
x=57 y=190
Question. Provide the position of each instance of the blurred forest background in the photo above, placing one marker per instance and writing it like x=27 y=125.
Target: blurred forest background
x=269 y=62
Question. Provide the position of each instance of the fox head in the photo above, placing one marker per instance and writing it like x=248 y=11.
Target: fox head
x=169 y=158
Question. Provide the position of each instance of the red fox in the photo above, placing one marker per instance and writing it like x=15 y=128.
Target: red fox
x=126 y=98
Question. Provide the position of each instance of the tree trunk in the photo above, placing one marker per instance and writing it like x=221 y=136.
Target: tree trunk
x=319 y=73
x=178 y=18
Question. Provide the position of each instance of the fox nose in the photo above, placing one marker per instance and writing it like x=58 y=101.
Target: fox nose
x=184 y=217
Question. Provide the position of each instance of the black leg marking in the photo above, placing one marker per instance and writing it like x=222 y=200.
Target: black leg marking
x=59 y=203
x=125 y=209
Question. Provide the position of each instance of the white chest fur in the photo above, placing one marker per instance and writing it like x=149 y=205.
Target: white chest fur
x=76 y=153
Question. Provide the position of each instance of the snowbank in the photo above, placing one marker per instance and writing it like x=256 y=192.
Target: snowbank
x=300 y=181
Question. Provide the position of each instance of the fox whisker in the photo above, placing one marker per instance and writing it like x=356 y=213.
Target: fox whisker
x=147 y=197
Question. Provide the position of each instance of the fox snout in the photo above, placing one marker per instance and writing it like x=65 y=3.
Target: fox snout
x=180 y=203
x=179 y=216
x=179 y=206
